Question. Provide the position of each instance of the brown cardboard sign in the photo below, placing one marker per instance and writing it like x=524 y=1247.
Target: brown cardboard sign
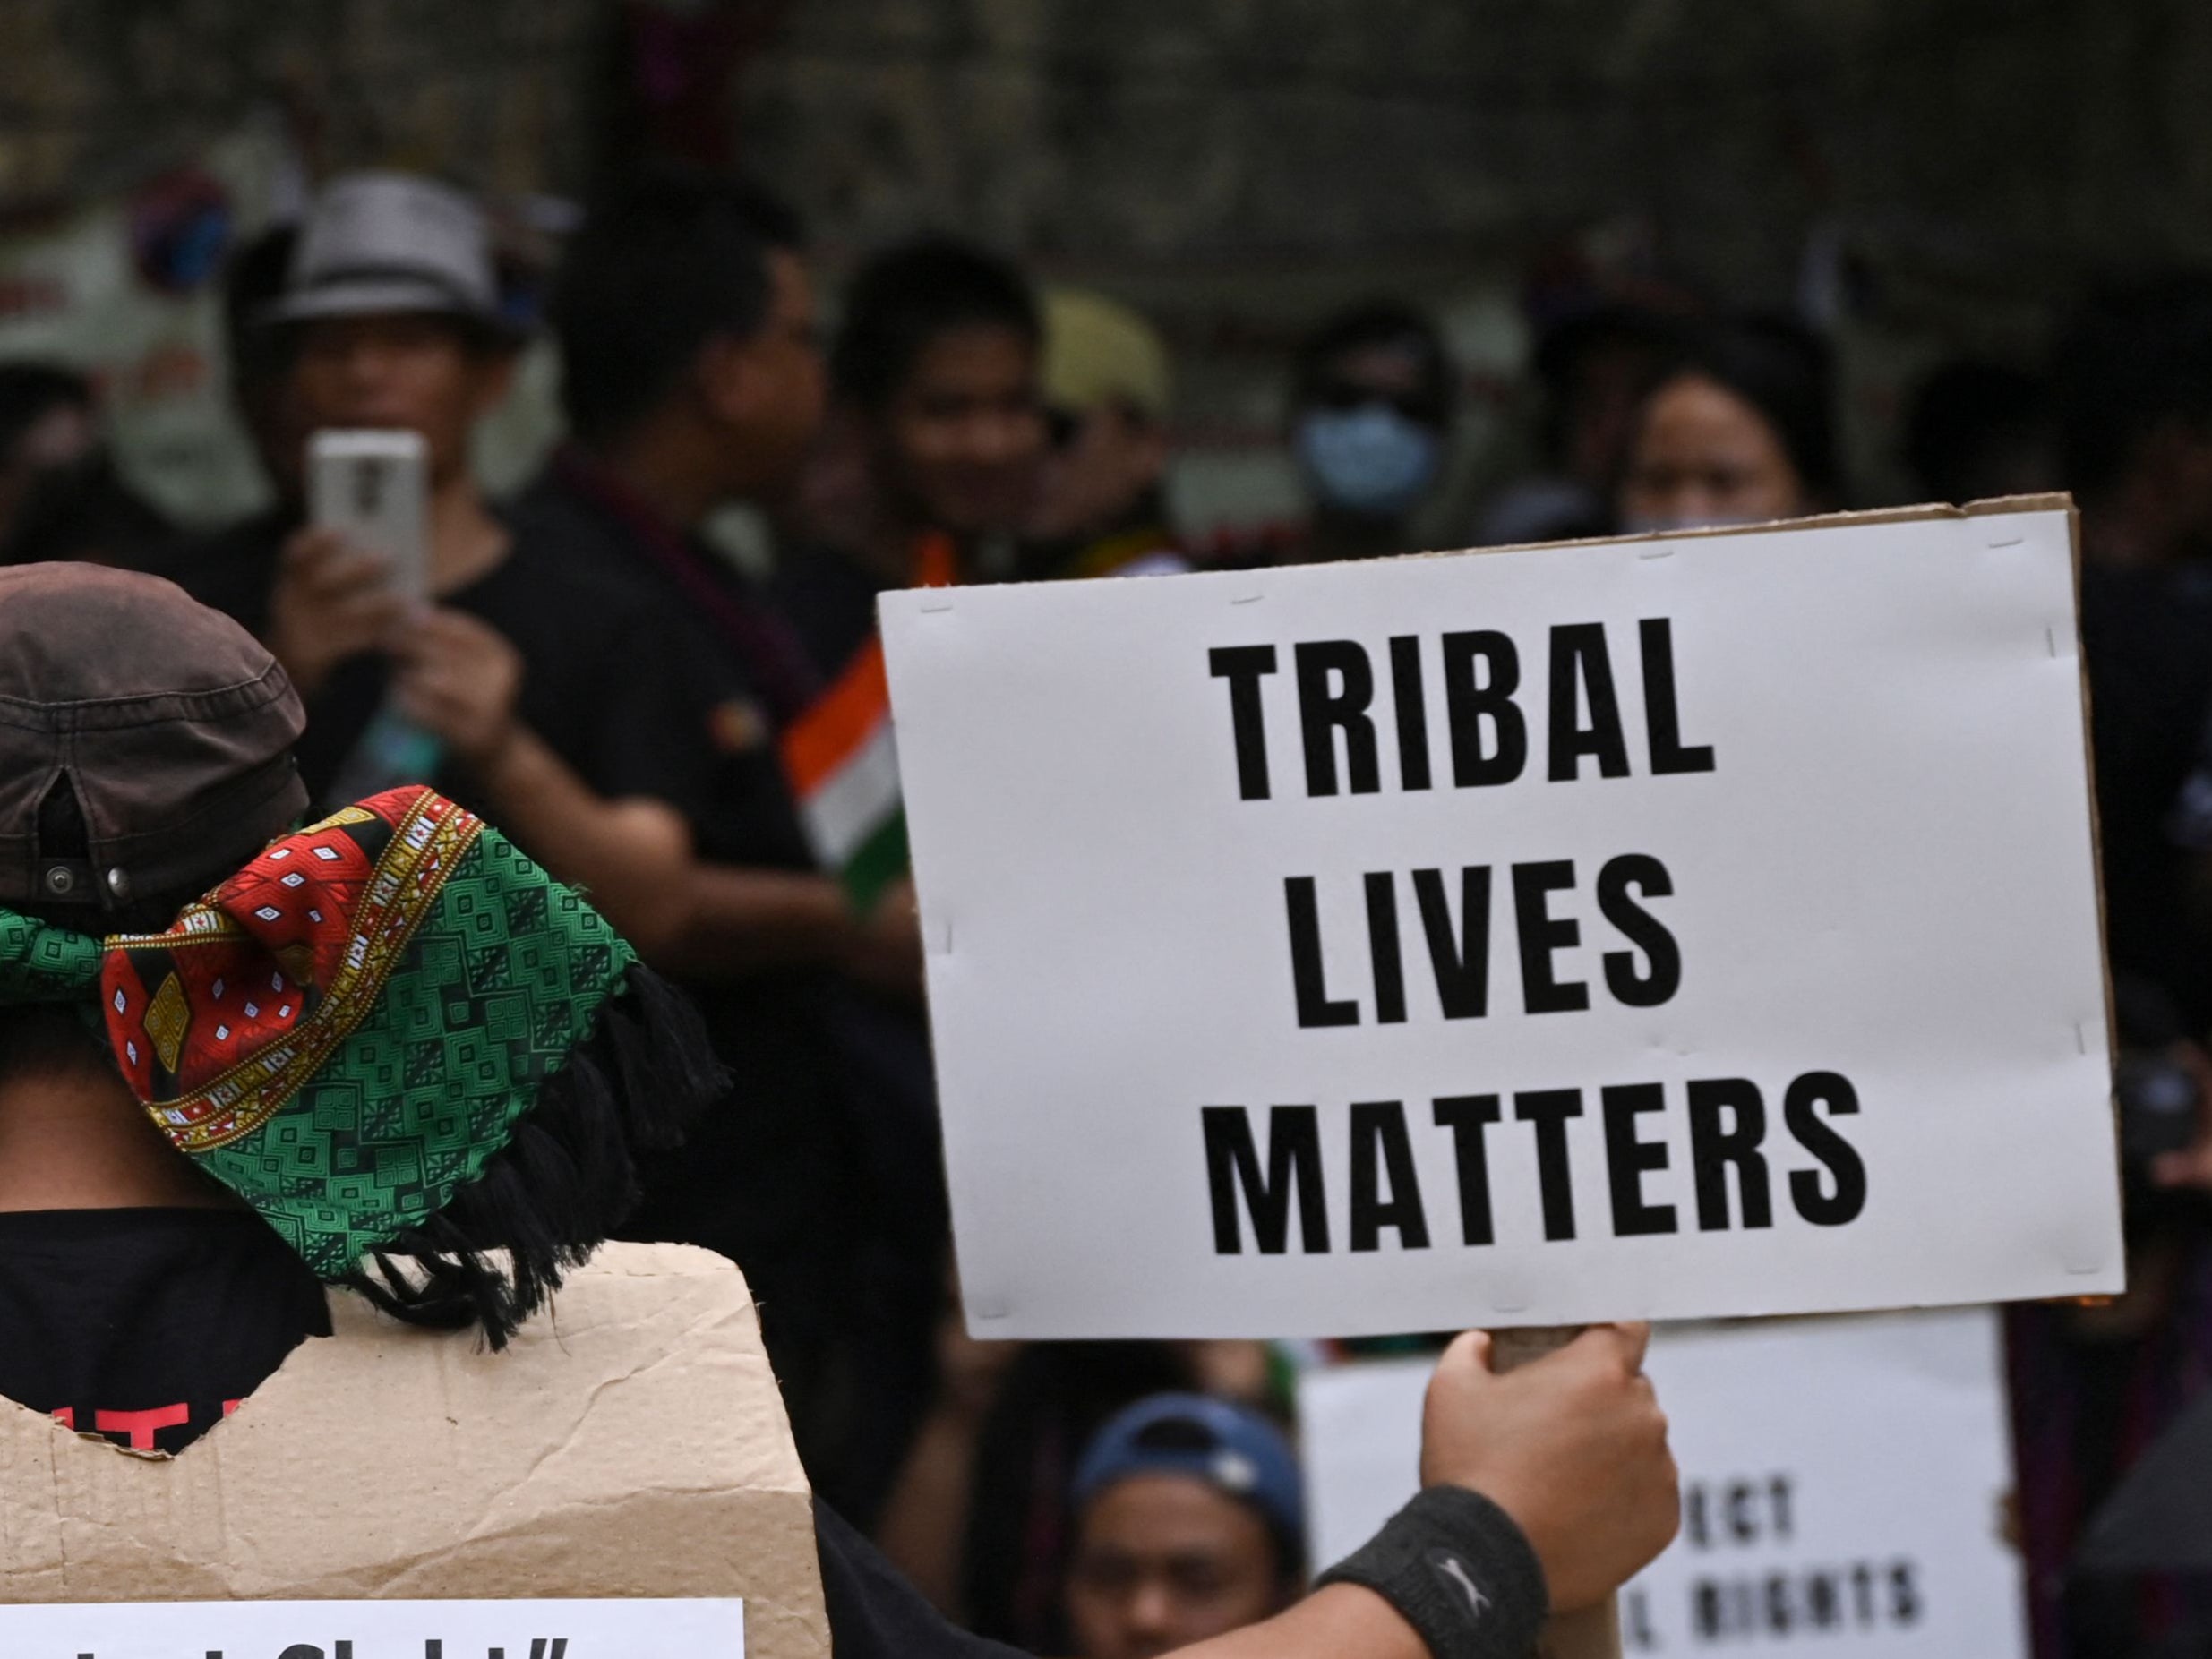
x=630 y=1443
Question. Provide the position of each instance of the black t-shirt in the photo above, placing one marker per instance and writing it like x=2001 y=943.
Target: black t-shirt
x=147 y=1325
x=159 y=1321
x=770 y=1184
x=233 y=569
x=634 y=707
x=828 y=1187
x=713 y=752
x=830 y=598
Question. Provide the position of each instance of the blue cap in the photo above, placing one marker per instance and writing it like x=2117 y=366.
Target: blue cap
x=1230 y=1448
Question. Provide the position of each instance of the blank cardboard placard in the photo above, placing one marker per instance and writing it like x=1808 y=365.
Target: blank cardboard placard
x=1673 y=927
x=630 y=1443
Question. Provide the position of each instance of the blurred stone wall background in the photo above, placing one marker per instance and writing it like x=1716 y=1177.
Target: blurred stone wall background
x=94 y=94
x=1919 y=175
x=1980 y=139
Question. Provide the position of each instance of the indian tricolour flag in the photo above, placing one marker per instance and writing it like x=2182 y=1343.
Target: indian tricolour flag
x=843 y=765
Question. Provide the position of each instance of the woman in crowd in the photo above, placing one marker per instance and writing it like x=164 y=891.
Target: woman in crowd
x=1738 y=428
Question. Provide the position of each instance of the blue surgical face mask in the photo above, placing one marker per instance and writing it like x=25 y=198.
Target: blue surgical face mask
x=1372 y=459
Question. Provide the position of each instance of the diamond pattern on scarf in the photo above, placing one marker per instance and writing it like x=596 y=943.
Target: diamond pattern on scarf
x=446 y=976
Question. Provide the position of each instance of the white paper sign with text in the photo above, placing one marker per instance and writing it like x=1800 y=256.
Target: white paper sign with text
x=1696 y=926
x=695 y=1628
x=1842 y=1482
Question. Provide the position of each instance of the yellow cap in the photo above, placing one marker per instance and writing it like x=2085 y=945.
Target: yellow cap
x=1098 y=351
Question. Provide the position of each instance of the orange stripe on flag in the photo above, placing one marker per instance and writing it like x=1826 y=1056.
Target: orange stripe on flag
x=840 y=721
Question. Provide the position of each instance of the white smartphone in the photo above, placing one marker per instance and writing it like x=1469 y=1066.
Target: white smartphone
x=374 y=487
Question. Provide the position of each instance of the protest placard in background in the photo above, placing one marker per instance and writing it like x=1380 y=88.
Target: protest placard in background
x=1694 y=926
x=1841 y=1485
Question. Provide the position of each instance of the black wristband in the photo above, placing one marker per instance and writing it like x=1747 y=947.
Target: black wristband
x=1460 y=1572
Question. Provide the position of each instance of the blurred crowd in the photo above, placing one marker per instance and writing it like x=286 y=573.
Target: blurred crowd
x=655 y=715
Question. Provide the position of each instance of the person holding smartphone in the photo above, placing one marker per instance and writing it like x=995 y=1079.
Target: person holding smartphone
x=401 y=612
x=584 y=710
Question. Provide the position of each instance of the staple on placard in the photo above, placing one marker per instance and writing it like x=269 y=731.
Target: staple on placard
x=2082 y=1037
x=1657 y=553
x=1248 y=599
x=2009 y=541
x=934 y=600
x=2050 y=640
x=991 y=1308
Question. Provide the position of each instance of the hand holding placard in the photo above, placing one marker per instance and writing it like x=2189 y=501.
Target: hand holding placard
x=1571 y=1445
x=1596 y=1489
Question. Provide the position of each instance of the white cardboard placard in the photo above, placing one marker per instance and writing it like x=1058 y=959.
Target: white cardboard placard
x=1800 y=852
x=1841 y=1481
x=695 y=1628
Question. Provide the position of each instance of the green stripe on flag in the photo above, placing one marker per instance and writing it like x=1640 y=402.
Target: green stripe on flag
x=876 y=863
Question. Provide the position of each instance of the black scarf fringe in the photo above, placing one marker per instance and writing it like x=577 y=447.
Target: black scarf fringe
x=566 y=1179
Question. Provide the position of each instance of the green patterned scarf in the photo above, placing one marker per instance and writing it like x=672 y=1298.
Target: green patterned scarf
x=346 y=1030
x=42 y=963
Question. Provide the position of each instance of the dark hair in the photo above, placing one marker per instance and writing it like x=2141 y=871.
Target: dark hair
x=254 y=280
x=565 y=1181
x=80 y=508
x=30 y=390
x=1562 y=347
x=1567 y=344
x=1377 y=323
x=911 y=295
x=1967 y=416
x=668 y=264
x=558 y=1189
x=2136 y=357
x=1785 y=372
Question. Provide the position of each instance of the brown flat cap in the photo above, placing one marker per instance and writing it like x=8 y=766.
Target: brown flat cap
x=171 y=724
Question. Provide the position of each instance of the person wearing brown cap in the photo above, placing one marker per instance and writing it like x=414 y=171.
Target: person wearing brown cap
x=202 y=1122
x=199 y=1005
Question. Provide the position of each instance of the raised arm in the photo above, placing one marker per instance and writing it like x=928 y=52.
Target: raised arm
x=1544 y=1489
x=459 y=678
